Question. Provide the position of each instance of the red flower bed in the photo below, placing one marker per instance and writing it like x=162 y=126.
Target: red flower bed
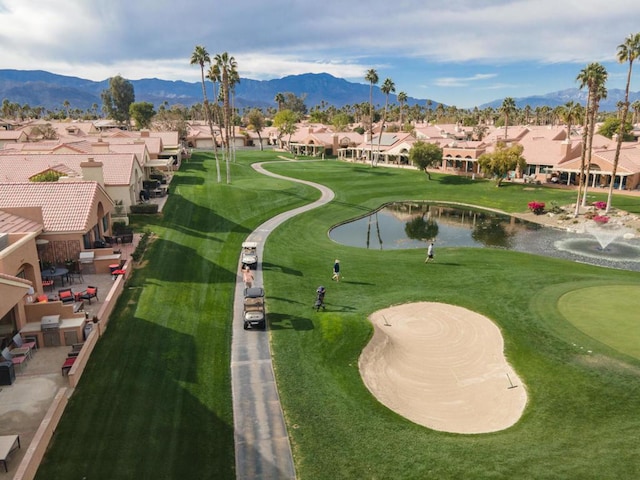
x=536 y=207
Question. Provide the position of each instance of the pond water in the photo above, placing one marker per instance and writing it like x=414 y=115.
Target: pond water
x=406 y=225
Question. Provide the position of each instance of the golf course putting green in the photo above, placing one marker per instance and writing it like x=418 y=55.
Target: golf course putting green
x=608 y=314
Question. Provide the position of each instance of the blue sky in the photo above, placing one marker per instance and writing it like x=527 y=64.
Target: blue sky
x=457 y=52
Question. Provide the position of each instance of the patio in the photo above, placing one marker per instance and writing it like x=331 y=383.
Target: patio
x=24 y=404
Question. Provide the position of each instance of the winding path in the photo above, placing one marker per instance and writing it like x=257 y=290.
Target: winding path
x=261 y=442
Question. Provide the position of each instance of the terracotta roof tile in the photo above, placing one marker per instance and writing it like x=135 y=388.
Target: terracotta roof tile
x=66 y=206
x=10 y=223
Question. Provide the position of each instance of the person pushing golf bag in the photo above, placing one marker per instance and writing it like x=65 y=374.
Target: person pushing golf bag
x=319 y=303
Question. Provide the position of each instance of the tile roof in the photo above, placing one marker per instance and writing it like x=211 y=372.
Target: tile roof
x=117 y=168
x=10 y=223
x=66 y=206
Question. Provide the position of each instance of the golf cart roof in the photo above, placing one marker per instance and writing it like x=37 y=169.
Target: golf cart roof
x=250 y=245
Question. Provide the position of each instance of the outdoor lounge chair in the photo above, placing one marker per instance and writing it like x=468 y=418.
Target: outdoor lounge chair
x=15 y=359
x=89 y=293
x=66 y=295
x=21 y=342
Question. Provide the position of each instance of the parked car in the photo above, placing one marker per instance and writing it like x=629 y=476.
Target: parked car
x=250 y=254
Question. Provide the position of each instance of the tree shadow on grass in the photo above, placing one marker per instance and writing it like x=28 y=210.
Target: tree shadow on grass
x=280 y=321
x=172 y=262
x=455 y=180
x=277 y=268
x=136 y=412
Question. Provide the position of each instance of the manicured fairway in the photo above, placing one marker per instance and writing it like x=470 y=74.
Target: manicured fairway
x=610 y=314
x=155 y=399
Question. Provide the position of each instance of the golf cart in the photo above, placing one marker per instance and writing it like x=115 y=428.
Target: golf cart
x=249 y=255
x=253 y=314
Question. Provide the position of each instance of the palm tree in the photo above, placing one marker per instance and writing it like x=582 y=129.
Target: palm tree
x=213 y=75
x=627 y=52
x=371 y=77
x=402 y=98
x=229 y=74
x=569 y=113
x=508 y=108
x=594 y=77
x=387 y=87
x=200 y=56
x=279 y=99
x=636 y=111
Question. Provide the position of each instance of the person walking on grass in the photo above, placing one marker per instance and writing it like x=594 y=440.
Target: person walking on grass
x=336 y=271
x=429 y=253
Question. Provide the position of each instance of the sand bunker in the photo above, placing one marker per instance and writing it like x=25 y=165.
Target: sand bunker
x=443 y=367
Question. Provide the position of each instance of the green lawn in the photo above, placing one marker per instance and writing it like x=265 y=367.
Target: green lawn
x=155 y=399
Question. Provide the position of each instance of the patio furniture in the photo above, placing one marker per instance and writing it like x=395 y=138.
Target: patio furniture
x=58 y=272
x=75 y=272
x=126 y=238
x=47 y=283
x=8 y=444
x=66 y=366
x=66 y=295
x=89 y=293
x=21 y=342
x=16 y=360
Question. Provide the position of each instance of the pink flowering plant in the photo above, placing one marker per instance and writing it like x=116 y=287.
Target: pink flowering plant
x=536 y=207
x=600 y=205
x=601 y=219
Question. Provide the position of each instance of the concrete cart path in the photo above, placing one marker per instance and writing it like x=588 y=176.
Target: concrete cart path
x=261 y=442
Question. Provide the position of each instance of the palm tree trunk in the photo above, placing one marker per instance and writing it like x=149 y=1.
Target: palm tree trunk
x=616 y=158
x=585 y=134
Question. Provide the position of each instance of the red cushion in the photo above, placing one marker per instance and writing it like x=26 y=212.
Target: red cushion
x=92 y=291
x=69 y=361
x=42 y=299
x=65 y=294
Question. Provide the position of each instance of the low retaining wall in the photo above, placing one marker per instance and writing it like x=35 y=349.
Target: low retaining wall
x=38 y=446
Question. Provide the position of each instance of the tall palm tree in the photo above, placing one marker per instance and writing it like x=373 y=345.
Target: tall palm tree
x=593 y=76
x=213 y=75
x=279 y=99
x=402 y=99
x=507 y=109
x=371 y=77
x=229 y=74
x=200 y=56
x=627 y=52
x=387 y=87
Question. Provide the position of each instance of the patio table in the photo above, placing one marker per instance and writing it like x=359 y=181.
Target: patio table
x=59 y=272
x=8 y=443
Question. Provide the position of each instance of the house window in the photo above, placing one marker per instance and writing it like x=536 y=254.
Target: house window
x=105 y=223
x=86 y=241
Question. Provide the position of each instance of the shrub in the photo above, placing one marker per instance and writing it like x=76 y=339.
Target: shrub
x=600 y=205
x=141 y=247
x=144 y=208
x=601 y=219
x=536 y=207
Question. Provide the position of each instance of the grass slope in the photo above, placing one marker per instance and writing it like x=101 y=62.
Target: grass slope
x=155 y=400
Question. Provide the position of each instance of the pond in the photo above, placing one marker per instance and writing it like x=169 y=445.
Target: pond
x=406 y=225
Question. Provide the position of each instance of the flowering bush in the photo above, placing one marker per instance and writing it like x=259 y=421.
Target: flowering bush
x=602 y=219
x=536 y=207
x=600 y=205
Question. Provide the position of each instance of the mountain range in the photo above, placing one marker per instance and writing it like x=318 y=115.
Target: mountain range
x=49 y=90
